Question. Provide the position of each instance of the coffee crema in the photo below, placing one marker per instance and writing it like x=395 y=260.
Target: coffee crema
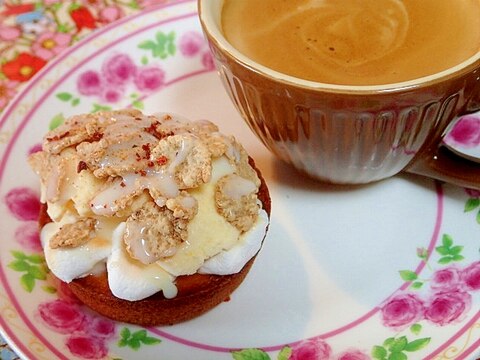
x=354 y=42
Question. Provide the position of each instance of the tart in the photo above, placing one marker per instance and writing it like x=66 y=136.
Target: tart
x=149 y=219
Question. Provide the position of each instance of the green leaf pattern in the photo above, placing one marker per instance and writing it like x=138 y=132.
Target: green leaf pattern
x=396 y=348
x=472 y=205
x=134 y=340
x=162 y=46
x=33 y=266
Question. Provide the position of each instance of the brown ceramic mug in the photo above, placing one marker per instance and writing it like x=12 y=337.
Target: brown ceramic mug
x=350 y=134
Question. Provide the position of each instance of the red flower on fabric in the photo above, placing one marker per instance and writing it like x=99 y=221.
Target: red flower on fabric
x=23 y=67
x=82 y=17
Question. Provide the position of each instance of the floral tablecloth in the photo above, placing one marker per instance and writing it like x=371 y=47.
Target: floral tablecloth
x=32 y=33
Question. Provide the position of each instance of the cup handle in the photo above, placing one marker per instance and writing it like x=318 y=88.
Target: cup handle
x=440 y=163
x=446 y=166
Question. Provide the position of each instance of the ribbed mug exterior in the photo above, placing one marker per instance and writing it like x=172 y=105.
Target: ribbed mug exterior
x=342 y=138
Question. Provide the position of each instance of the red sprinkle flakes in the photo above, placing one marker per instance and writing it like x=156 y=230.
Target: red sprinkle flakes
x=141 y=172
x=96 y=136
x=82 y=165
x=138 y=157
x=122 y=184
x=58 y=137
x=162 y=160
x=146 y=148
x=152 y=130
x=150 y=164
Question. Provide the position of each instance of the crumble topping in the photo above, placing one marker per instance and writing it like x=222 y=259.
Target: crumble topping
x=152 y=233
x=141 y=170
x=236 y=201
x=75 y=234
x=191 y=161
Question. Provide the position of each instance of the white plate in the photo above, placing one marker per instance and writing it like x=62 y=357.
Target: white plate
x=390 y=269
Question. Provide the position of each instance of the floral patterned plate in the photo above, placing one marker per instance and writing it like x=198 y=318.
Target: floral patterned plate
x=385 y=271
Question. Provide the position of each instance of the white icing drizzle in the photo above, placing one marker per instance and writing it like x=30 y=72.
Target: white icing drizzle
x=105 y=202
x=185 y=147
x=237 y=186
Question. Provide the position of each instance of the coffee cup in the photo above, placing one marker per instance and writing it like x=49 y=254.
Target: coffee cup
x=350 y=133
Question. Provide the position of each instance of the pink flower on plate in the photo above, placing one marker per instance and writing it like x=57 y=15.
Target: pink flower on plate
x=207 y=60
x=447 y=307
x=149 y=78
x=110 y=14
x=89 y=83
x=62 y=316
x=101 y=327
x=118 y=69
x=112 y=94
x=402 y=310
x=471 y=276
x=353 y=355
x=49 y=44
x=23 y=203
x=446 y=279
x=190 y=43
x=28 y=237
x=9 y=33
x=465 y=133
x=87 y=347
x=312 y=349
x=7 y=91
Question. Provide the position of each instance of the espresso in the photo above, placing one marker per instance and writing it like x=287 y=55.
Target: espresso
x=354 y=42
